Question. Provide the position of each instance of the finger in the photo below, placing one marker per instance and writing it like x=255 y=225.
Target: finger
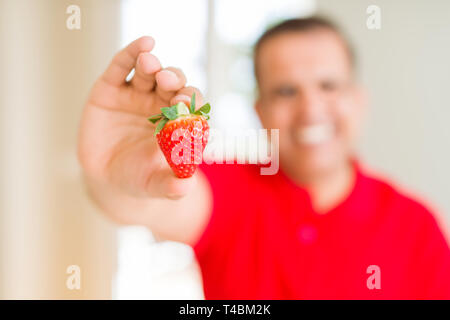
x=124 y=61
x=185 y=94
x=169 y=81
x=164 y=184
x=146 y=67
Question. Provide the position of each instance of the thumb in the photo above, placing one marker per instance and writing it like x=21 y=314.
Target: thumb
x=164 y=184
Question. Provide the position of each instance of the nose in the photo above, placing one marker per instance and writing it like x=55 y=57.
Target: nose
x=311 y=106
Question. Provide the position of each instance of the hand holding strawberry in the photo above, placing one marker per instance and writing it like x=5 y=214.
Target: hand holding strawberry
x=117 y=147
x=182 y=135
x=125 y=173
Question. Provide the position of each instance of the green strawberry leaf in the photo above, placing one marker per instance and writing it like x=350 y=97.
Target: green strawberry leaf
x=192 y=106
x=170 y=112
x=205 y=115
x=160 y=126
x=155 y=118
x=204 y=109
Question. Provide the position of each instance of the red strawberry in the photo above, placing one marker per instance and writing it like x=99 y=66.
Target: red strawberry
x=182 y=135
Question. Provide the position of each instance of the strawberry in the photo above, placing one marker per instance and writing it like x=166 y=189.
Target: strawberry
x=182 y=134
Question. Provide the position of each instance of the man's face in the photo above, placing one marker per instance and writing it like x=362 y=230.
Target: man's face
x=306 y=90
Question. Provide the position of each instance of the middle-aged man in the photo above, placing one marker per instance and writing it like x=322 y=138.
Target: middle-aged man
x=322 y=227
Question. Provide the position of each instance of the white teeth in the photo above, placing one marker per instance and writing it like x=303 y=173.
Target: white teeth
x=314 y=134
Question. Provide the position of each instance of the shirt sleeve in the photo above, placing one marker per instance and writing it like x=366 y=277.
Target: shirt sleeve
x=433 y=260
x=229 y=185
x=220 y=178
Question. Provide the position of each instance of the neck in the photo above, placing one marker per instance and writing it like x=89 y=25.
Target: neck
x=331 y=188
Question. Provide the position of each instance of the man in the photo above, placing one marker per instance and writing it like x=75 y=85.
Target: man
x=320 y=228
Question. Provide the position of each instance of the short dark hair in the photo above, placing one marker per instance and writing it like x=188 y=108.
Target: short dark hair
x=302 y=25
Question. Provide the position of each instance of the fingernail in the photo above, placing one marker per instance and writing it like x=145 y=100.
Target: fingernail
x=181 y=97
x=170 y=73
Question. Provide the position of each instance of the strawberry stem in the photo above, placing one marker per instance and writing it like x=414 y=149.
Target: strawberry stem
x=176 y=111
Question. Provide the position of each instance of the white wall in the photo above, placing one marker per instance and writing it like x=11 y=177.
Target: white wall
x=405 y=67
x=47 y=222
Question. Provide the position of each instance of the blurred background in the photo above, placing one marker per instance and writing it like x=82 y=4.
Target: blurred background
x=47 y=223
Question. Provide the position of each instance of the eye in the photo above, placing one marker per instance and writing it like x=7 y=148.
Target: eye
x=285 y=91
x=329 y=86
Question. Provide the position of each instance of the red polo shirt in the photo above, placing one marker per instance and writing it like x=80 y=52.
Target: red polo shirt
x=264 y=241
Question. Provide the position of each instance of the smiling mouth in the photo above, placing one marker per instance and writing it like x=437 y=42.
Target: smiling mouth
x=315 y=134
